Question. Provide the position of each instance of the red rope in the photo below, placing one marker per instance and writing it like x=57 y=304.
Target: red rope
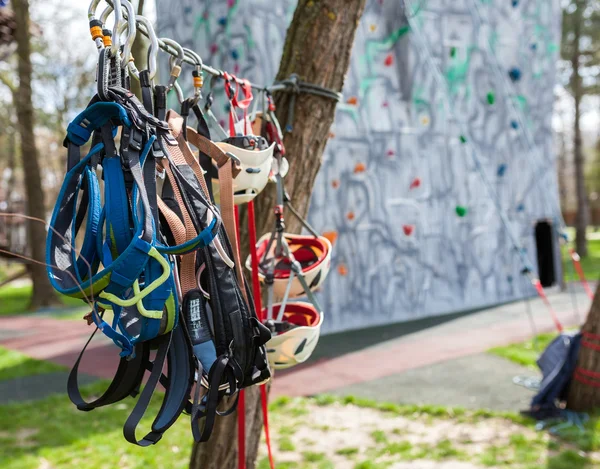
x=589 y=335
x=576 y=262
x=590 y=345
x=258 y=306
x=241 y=410
x=540 y=291
x=582 y=375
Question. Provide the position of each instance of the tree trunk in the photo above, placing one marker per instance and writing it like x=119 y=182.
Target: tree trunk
x=584 y=397
x=582 y=218
x=43 y=294
x=330 y=24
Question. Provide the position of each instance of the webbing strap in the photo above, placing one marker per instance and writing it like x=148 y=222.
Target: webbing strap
x=144 y=400
x=126 y=379
x=577 y=263
x=188 y=261
x=241 y=416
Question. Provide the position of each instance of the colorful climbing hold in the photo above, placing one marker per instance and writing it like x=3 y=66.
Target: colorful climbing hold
x=359 y=168
x=222 y=21
x=390 y=153
x=408 y=229
x=509 y=278
x=453 y=52
x=350 y=215
x=490 y=97
x=342 y=270
x=353 y=100
x=514 y=74
x=461 y=211
x=331 y=236
x=214 y=48
x=515 y=3
x=385 y=104
x=425 y=120
x=514 y=124
x=389 y=60
x=520 y=207
x=235 y=54
x=373 y=27
x=533 y=46
x=335 y=183
x=231 y=3
x=463 y=139
x=501 y=170
x=416 y=182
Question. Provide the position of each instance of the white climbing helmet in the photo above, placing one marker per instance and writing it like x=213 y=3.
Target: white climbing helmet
x=295 y=336
x=256 y=160
x=312 y=253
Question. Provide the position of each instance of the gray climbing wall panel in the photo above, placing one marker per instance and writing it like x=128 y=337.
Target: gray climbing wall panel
x=418 y=233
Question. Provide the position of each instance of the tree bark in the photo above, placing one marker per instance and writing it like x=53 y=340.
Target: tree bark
x=317 y=48
x=43 y=294
x=582 y=218
x=583 y=397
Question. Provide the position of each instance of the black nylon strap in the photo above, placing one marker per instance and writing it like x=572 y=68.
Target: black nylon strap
x=144 y=400
x=146 y=90
x=127 y=378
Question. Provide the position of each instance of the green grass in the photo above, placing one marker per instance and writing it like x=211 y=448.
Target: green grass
x=350 y=451
x=525 y=353
x=590 y=264
x=53 y=433
x=14 y=365
x=15 y=300
x=286 y=444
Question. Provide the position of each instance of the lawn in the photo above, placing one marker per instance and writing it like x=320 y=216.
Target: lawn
x=325 y=432
x=14 y=365
x=590 y=264
x=15 y=299
x=525 y=353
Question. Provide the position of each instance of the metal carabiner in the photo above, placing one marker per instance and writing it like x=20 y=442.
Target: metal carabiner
x=129 y=24
x=176 y=68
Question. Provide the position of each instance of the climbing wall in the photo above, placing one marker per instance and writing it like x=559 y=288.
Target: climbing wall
x=418 y=231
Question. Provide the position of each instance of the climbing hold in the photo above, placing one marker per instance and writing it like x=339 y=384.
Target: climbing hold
x=373 y=27
x=288 y=128
x=335 y=183
x=350 y=215
x=352 y=100
x=187 y=10
x=390 y=153
x=463 y=139
x=461 y=211
x=514 y=124
x=408 y=229
x=453 y=52
x=389 y=60
x=520 y=207
x=533 y=46
x=385 y=104
x=514 y=74
x=509 y=278
x=359 y=168
x=331 y=236
x=214 y=48
x=515 y=3
x=235 y=54
x=490 y=97
x=342 y=270
x=231 y=3
x=223 y=21
x=416 y=182
x=425 y=120
x=501 y=169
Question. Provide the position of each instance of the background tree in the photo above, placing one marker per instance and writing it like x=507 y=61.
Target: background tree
x=43 y=293
x=332 y=25
x=579 y=50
